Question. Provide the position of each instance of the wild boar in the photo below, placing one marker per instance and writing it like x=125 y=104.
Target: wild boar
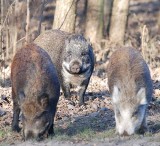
x=35 y=92
x=131 y=88
x=73 y=57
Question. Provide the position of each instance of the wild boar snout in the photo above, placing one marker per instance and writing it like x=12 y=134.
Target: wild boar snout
x=75 y=66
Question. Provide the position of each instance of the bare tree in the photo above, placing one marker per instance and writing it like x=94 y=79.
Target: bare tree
x=41 y=13
x=81 y=11
x=27 y=22
x=2 y=16
x=159 y=22
x=1 y=40
x=94 y=20
x=118 y=21
x=7 y=42
x=15 y=30
x=107 y=14
x=64 y=18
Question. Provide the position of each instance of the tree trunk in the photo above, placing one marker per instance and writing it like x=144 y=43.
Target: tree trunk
x=81 y=11
x=159 y=22
x=27 y=22
x=118 y=21
x=41 y=15
x=94 y=20
x=64 y=18
x=1 y=25
x=107 y=15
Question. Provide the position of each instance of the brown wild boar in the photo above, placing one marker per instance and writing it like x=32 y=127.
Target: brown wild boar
x=131 y=88
x=35 y=92
x=73 y=57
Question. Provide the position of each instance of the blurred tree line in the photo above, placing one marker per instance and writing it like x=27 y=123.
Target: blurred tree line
x=101 y=16
x=21 y=21
x=108 y=24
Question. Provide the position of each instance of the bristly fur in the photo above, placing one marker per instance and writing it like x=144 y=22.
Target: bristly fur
x=128 y=70
x=60 y=45
x=35 y=91
x=131 y=89
x=31 y=108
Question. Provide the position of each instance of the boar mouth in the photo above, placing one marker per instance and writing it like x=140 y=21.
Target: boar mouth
x=82 y=71
x=44 y=133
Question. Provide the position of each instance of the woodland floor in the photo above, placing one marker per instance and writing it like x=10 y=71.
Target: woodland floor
x=92 y=124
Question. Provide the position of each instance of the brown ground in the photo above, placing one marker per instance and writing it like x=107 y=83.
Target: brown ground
x=85 y=125
x=93 y=124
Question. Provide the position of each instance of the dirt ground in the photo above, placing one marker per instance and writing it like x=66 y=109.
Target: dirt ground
x=94 y=123
x=151 y=141
x=89 y=125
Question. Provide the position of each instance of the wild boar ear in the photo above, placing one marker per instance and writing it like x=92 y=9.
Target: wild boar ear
x=44 y=100
x=141 y=95
x=115 y=94
x=67 y=41
x=89 y=41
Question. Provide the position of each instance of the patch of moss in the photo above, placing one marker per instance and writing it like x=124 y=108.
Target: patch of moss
x=2 y=133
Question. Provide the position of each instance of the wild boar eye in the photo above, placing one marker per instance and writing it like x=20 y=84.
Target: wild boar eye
x=83 y=53
x=135 y=113
x=69 y=54
x=24 y=118
x=118 y=112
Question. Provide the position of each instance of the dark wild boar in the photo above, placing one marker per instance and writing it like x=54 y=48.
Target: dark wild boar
x=130 y=86
x=35 y=92
x=73 y=57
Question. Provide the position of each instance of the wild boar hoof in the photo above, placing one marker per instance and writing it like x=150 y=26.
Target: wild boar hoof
x=16 y=128
x=143 y=130
x=67 y=96
x=51 y=132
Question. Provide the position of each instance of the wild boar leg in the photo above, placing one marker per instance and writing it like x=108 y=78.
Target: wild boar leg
x=82 y=91
x=16 y=112
x=66 y=90
x=51 y=129
x=143 y=127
